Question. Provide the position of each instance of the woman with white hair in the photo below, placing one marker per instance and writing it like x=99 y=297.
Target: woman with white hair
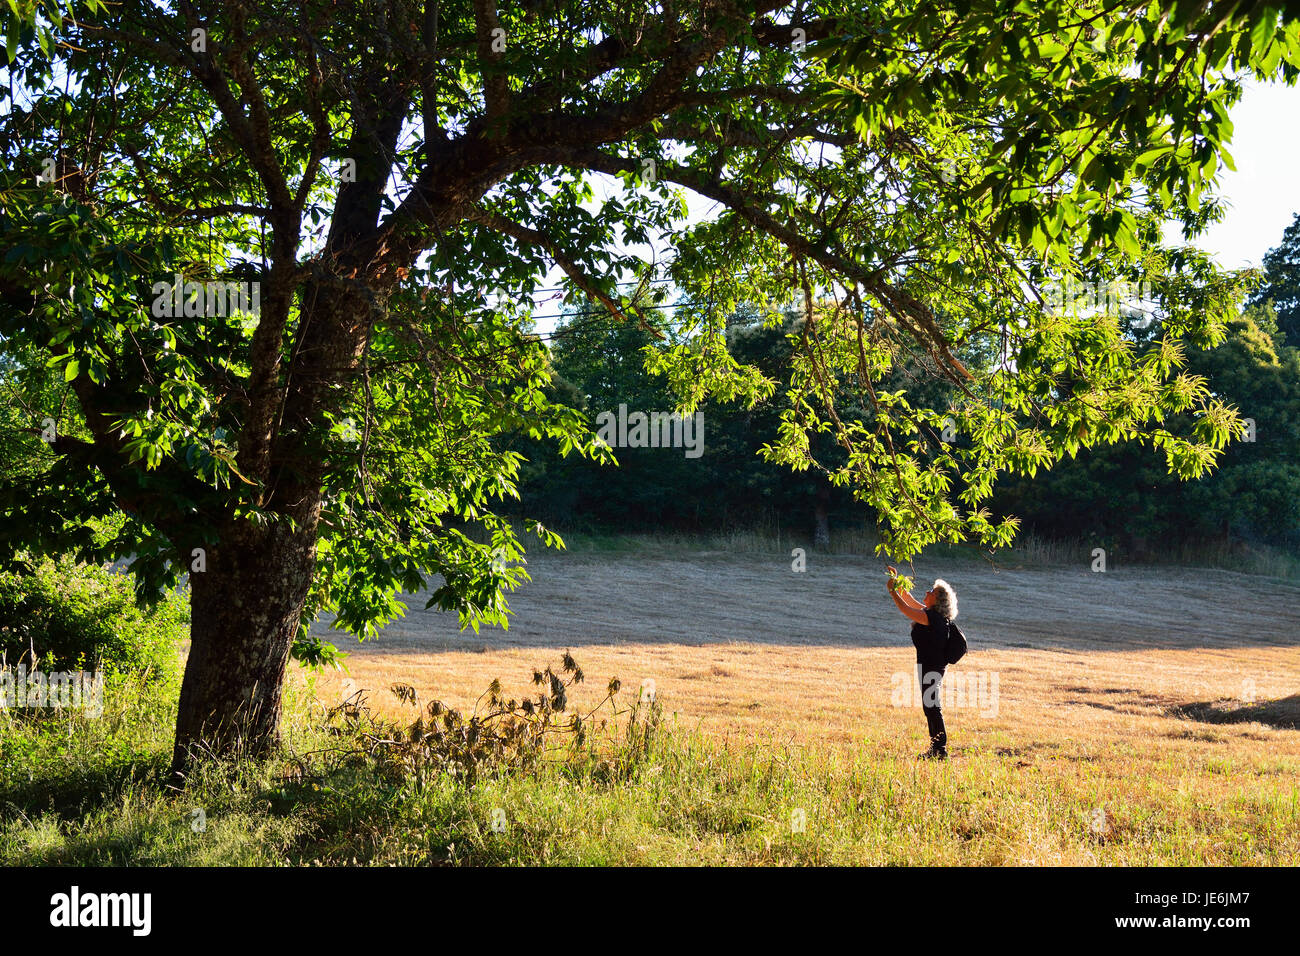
x=930 y=621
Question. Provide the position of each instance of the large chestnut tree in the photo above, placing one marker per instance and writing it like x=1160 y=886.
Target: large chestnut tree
x=398 y=177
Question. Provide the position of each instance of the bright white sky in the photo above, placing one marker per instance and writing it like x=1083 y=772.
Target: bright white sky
x=1263 y=195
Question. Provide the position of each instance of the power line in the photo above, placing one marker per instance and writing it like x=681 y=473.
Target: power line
x=563 y=315
x=560 y=288
x=734 y=275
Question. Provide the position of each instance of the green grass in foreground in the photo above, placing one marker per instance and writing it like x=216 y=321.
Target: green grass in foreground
x=76 y=791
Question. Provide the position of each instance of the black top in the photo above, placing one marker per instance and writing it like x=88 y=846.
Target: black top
x=931 y=641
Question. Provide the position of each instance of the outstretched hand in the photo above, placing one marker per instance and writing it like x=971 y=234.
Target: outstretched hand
x=897 y=581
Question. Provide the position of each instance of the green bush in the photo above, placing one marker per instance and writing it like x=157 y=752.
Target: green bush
x=83 y=617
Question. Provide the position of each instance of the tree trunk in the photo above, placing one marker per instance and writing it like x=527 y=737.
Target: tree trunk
x=246 y=606
x=245 y=609
x=822 y=529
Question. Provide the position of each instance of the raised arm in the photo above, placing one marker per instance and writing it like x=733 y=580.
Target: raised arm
x=909 y=605
x=906 y=598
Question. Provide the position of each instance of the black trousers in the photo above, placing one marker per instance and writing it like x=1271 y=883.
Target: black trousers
x=930 y=678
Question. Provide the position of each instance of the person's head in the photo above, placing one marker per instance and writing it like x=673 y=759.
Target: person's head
x=942 y=598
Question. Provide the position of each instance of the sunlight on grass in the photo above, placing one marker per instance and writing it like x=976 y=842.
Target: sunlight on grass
x=85 y=798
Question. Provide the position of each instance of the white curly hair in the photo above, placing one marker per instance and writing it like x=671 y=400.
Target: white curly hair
x=945 y=599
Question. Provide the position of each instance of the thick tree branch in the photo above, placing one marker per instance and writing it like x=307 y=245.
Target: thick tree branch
x=523 y=234
x=488 y=34
x=458 y=173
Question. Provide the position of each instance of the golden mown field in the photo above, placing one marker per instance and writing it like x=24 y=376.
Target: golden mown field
x=1147 y=676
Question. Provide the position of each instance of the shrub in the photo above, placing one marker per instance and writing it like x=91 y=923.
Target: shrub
x=501 y=736
x=69 y=616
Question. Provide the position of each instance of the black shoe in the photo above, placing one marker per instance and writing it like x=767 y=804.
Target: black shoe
x=933 y=754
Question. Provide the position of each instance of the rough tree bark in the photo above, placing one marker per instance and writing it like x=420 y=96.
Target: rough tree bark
x=244 y=617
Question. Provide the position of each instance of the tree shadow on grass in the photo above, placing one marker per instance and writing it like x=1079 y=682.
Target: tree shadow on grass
x=70 y=820
x=1281 y=714
x=72 y=793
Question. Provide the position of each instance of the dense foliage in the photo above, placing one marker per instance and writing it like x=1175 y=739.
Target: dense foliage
x=61 y=616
